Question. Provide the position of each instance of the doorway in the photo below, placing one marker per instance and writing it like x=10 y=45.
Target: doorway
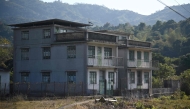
x=101 y=82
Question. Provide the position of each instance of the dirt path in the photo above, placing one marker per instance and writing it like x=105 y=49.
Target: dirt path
x=73 y=104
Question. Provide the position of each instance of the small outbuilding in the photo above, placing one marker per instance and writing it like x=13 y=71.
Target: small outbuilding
x=4 y=81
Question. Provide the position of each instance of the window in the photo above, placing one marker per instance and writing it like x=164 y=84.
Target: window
x=107 y=52
x=46 y=53
x=47 y=33
x=139 y=77
x=91 y=51
x=46 y=77
x=25 y=54
x=71 y=51
x=131 y=55
x=139 y=55
x=24 y=76
x=111 y=77
x=146 y=56
x=71 y=77
x=146 y=77
x=92 y=77
x=25 y=35
x=132 y=77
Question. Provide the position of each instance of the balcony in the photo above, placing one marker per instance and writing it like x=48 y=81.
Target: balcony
x=133 y=43
x=82 y=36
x=70 y=36
x=142 y=64
x=98 y=61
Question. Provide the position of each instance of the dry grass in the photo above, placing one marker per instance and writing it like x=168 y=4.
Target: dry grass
x=22 y=102
x=140 y=104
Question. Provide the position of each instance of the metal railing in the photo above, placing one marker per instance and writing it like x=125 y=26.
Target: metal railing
x=142 y=63
x=138 y=43
x=105 y=61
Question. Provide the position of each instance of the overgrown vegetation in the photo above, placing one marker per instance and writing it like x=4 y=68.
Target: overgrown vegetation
x=24 y=102
x=176 y=101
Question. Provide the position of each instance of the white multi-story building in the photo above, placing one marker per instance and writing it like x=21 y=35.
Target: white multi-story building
x=136 y=76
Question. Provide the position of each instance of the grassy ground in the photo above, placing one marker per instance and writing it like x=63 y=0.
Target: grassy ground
x=164 y=102
x=140 y=104
x=22 y=102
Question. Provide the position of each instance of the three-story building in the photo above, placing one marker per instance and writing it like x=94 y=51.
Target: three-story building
x=136 y=76
x=62 y=51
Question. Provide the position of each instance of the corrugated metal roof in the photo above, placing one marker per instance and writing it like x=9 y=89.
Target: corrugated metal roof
x=50 y=22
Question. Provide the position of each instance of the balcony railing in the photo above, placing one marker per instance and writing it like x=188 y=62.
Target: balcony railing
x=138 y=43
x=100 y=61
x=142 y=64
x=70 y=36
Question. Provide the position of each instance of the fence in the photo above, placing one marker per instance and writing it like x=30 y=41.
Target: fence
x=4 y=89
x=45 y=89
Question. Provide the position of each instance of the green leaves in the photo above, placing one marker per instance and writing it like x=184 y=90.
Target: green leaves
x=5 y=52
x=185 y=81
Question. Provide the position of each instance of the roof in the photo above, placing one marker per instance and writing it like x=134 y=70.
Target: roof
x=3 y=69
x=50 y=22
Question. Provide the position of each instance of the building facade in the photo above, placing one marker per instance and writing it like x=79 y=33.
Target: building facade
x=59 y=51
x=138 y=67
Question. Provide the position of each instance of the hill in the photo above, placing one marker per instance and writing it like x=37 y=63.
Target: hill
x=17 y=11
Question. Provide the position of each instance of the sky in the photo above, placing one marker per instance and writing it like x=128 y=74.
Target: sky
x=144 y=7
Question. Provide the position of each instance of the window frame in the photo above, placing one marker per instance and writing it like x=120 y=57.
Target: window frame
x=93 y=77
x=71 y=77
x=131 y=55
x=25 y=53
x=49 y=33
x=46 y=77
x=24 y=77
x=25 y=35
x=139 y=55
x=91 y=51
x=111 y=77
x=69 y=52
x=146 y=57
x=46 y=54
x=107 y=53
x=132 y=77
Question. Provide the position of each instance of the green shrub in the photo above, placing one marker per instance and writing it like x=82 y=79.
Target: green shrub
x=140 y=105
x=164 y=98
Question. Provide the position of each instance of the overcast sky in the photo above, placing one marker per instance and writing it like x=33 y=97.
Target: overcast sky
x=145 y=7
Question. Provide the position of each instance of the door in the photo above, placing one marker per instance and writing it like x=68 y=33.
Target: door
x=138 y=58
x=139 y=78
x=101 y=82
x=99 y=56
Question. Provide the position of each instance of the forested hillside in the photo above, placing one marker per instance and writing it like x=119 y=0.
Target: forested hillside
x=17 y=11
